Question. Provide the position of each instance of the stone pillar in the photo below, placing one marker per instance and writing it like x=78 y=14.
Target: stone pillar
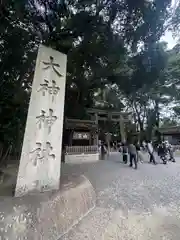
x=96 y=142
x=40 y=162
x=95 y=138
x=71 y=138
x=122 y=130
x=108 y=139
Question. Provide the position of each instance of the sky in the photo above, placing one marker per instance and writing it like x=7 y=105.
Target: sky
x=169 y=39
x=168 y=35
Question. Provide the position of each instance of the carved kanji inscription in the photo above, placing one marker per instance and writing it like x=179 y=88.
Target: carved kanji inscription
x=52 y=89
x=44 y=87
x=39 y=154
x=46 y=120
x=50 y=120
x=36 y=154
x=40 y=162
x=41 y=119
x=52 y=65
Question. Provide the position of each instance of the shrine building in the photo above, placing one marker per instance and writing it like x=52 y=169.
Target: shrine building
x=82 y=136
x=171 y=134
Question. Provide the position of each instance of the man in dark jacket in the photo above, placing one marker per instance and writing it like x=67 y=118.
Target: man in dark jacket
x=133 y=155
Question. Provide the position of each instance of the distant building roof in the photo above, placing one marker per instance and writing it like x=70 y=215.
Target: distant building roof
x=170 y=130
x=80 y=124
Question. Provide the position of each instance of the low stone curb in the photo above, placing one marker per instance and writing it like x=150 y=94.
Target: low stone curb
x=79 y=158
x=47 y=216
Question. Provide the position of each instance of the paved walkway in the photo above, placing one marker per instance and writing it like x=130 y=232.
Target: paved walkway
x=132 y=204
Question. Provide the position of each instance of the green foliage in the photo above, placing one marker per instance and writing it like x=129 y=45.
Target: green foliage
x=168 y=122
x=177 y=111
x=109 y=98
x=174 y=23
x=147 y=102
x=100 y=38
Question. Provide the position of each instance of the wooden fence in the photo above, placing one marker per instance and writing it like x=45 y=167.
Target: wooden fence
x=81 y=150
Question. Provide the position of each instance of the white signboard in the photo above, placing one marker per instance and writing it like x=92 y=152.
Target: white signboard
x=81 y=136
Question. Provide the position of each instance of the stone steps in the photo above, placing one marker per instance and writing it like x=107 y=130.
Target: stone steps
x=47 y=215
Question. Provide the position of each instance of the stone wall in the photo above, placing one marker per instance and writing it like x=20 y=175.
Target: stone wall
x=49 y=215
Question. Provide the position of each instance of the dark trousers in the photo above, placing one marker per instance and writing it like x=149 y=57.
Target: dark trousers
x=152 y=158
x=102 y=156
x=125 y=158
x=171 y=154
x=133 y=158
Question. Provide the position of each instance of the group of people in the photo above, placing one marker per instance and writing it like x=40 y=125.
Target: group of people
x=164 y=150
x=134 y=150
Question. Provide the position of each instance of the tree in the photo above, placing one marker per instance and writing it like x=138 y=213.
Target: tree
x=99 y=37
x=155 y=98
x=168 y=122
x=174 y=20
x=173 y=75
x=109 y=98
x=145 y=101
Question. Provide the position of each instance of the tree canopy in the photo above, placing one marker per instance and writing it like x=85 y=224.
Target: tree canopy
x=108 y=42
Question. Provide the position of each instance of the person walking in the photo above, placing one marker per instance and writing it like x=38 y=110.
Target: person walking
x=162 y=153
x=144 y=146
x=171 y=153
x=133 y=155
x=125 y=152
x=103 y=151
x=151 y=152
x=139 y=153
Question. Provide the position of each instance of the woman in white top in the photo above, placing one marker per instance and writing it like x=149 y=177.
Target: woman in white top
x=151 y=152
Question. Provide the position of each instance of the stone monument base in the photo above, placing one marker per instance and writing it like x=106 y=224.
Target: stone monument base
x=49 y=215
x=78 y=158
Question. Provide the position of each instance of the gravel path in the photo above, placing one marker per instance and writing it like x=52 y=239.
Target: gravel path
x=132 y=204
